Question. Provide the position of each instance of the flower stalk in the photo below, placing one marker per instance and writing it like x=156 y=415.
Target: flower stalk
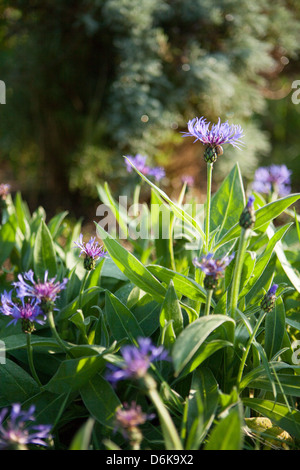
x=30 y=359
x=172 y=439
x=208 y=202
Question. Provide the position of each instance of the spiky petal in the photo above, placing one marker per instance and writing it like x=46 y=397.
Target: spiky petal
x=16 y=430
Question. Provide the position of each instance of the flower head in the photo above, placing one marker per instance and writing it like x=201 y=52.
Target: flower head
x=215 y=136
x=28 y=312
x=275 y=178
x=213 y=268
x=92 y=250
x=4 y=191
x=188 y=180
x=46 y=291
x=137 y=361
x=139 y=161
x=129 y=418
x=17 y=433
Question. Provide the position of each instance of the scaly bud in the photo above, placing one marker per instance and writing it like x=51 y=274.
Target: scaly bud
x=247 y=218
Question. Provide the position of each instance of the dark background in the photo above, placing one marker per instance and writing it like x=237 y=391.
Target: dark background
x=90 y=81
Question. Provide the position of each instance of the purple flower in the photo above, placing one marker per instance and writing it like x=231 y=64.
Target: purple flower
x=213 y=267
x=92 y=250
x=129 y=418
x=158 y=173
x=44 y=291
x=189 y=180
x=4 y=190
x=219 y=134
x=137 y=361
x=275 y=178
x=139 y=161
x=17 y=433
x=28 y=312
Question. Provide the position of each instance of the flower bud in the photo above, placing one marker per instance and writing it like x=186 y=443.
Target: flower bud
x=268 y=302
x=212 y=153
x=247 y=218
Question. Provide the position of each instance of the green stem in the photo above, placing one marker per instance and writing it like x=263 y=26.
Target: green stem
x=172 y=439
x=54 y=331
x=246 y=352
x=30 y=359
x=209 y=294
x=82 y=288
x=208 y=198
x=237 y=272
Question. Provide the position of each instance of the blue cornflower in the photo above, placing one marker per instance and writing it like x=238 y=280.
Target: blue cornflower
x=17 y=433
x=92 y=250
x=216 y=136
x=214 y=269
x=275 y=178
x=4 y=191
x=139 y=161
x=28 y=312
x=137 y=361
x=44 y=291
x=129 y=418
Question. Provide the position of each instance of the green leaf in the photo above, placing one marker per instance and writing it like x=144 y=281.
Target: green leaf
x=73 y=374
x=202 y=406
x=121 y=321
x=171 y=311
x=182 y=284
x=286 y=266
x=255 y=285
x=44 y=257
x=16 y=384
x=194 y=335
x=228 y=433
x=180 y=213
x=228 y=202
x=100 y=400
x=274 y=329
x=263 y=215
x=7 y=240
x=82 y=438
x=135 y=271
x=289 y=384
x=279 y=414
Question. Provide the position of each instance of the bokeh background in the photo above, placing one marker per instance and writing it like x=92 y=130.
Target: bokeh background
x=88 y=81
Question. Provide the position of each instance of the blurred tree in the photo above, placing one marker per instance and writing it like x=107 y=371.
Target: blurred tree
x=90 y=80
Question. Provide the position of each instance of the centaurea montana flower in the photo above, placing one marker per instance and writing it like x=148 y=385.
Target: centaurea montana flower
x=16 y=430
x=213 y=268
x=139 y=161
x=188 y=180
x=46 y=291
x=28 y=312
x=4 y=190
x=137 y=361
x=216 y=136
x=275 y=178
x=92 y=250
x=128 y=420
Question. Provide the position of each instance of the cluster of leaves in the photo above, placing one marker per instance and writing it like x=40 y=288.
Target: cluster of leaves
x=153 y=291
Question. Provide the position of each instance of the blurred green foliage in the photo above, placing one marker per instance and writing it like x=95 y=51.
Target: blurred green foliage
x=91 y=80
